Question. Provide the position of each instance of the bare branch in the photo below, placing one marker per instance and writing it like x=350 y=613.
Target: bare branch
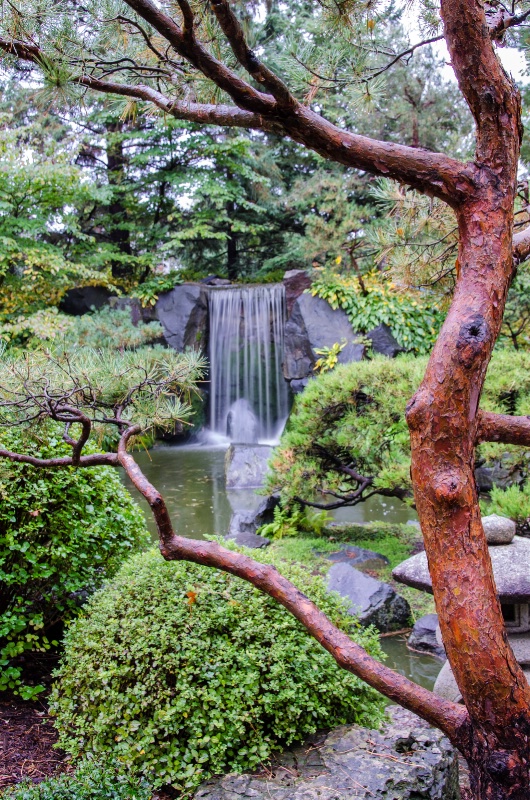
x=94 y=460
x=409 y=52
x=187 y=46
x=233 y=31
x=503 y=428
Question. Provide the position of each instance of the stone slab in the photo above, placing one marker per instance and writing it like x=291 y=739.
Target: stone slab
x=405 y=760
x=511 y=570
x=357 y=557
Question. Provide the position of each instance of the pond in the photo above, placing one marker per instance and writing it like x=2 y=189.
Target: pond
x=191 y=479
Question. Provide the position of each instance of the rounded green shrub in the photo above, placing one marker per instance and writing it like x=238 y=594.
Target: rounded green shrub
x=62 y=533
x=90 y=781
x=181 y=672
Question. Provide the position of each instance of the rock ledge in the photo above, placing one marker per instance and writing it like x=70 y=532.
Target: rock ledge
x=405 y=760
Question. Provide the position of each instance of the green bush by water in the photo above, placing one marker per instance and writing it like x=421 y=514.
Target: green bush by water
x=513 y=502
x=90 y=781
x=181 y=672
x=355 y=414
x=62 y=533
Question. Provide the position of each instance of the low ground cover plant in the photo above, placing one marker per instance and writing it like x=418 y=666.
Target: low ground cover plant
x=62 y=533
x=180 y=672
x=90 y=781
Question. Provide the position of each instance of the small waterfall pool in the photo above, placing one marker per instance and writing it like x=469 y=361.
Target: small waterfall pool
x=192 y=481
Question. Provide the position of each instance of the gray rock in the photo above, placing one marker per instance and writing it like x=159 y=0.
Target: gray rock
x=497 y=474
x=247 y=538
x=358 y=556
x=445 y=685
x=511 y=570
x=298 y=386
x=296 y=281
x=242 y=425
x=383 y=341
x=498 y=530
x=313 y=324
x=373 y=602
x=405 y=760
x=249 y=515
x=423 y=638
x=246 y=465
x=183 y=312
x=84 y=299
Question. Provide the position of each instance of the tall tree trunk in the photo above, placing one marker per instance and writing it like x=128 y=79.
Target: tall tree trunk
x=119 y=233
x=232 y=266
x=443 y=420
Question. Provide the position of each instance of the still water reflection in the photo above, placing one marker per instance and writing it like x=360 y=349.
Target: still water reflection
x=191 y=479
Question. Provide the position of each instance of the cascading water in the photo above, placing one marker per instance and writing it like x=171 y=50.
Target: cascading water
x=248 y=395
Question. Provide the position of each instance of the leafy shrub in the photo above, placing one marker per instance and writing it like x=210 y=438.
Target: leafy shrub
x=149 y=291
x=349 y=415
x=109 y=327
x=414 y=322
x=90 y=781
x=293 y=521
x=62 y=533
x=181 y=672
x=513 y=502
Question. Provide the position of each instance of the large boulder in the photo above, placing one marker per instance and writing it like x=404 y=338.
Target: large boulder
x=384 y=342
x=498 y=530
x=183 y=312
x=84 y=299
x=246 y=465
x=313 y=324
x=405 y=760
x=423 y=637
x=250 y=512
x=296 y=281
x=373 y=602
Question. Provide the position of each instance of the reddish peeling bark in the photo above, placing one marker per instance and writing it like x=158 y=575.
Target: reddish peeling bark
x=444 y=423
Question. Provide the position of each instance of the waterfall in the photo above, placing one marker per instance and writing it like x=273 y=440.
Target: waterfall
x=248 y=395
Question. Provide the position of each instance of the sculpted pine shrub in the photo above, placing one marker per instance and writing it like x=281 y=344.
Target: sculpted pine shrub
x=182 y=671
x=62 y=533
x=347 y=436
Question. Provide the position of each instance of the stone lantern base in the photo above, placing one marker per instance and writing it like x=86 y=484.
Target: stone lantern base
x=446 y=686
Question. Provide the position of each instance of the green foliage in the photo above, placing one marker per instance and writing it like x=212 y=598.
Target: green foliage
x=148 y=291
x=180 y=671
x=109 y=328
x=513 y=502
x=62 y=533
x=90 y=781
x=293 y=521
x=329 y=357
x=106 y=328
x=152 y=385
x=349 y=417
x=375 y=301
